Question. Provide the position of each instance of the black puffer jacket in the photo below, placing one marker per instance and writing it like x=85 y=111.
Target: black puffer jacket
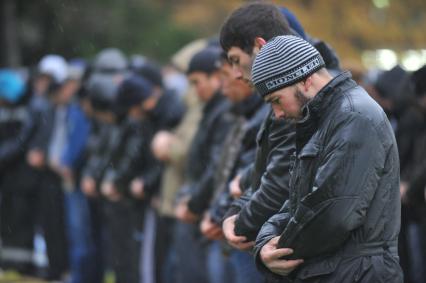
x=268 y=177
x=343 y=216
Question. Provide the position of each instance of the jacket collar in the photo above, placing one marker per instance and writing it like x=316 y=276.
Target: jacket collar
x=317 y=108
x=329 y=93
x=211 y=104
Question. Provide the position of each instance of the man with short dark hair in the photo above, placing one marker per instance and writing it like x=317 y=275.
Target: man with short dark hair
x=342 y=220
x=264 y=182
x=191 y=247
x=246 y=31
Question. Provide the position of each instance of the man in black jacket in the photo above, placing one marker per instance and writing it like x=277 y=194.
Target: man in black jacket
x=242 y=36
x=411 y=138
x=165 y=107
x=342 y=220
x=238 y=151
x=203 y=73
x=130 y=157
x=17 y=191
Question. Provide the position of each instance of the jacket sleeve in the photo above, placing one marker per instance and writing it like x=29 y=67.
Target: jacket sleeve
x=126 y=167
x=151 y=173
x=245 y=180
x=203 y=191
x=349 y=169
x=257 y=208
x=79 y=129
x=95 y=145
x=16 y=146
x=272 y=228
x=220 y=206
x=43 y=120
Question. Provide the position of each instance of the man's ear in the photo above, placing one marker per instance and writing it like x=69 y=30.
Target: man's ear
x=258 y=43
x=306 y=84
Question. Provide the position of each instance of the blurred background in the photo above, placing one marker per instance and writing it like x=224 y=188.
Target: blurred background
x=70 y=104
x=372 y=33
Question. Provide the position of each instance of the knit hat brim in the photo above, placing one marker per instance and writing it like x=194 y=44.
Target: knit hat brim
x=284 y=61
x=291 y=77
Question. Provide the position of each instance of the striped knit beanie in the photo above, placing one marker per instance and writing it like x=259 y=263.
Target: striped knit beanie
x=283 y=61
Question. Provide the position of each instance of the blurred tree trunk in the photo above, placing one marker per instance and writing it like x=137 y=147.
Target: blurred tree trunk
x=10 y=55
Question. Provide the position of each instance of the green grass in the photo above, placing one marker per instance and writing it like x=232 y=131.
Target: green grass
x=10 y=276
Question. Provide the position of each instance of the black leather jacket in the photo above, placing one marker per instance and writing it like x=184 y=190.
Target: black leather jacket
x=251 y=112
x=17 y=128
x=102 y=140
x=344 y=206
x=205 y=147
x=268 y=177
x=132 y=157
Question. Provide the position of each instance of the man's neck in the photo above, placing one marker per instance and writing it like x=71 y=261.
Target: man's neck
x=318 y=83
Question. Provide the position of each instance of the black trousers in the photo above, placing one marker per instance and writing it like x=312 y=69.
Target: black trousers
x=19 y=196
x=122 y=230
x=51 y=220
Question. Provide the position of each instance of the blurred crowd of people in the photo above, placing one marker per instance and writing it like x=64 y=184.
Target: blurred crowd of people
x=121 y=164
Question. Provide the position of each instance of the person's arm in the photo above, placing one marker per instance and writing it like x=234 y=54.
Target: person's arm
x=78 y=135
x=245 y=177
x=151 y=174
x=203 y=191
x=43 y=117
x=10 y=148
x=266 y=252
x=128 y=163
x=264 y=202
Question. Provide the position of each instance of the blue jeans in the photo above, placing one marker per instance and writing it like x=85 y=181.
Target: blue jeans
x=244 y=268
x=191 y=250
x=219 y=267
x=84 y=266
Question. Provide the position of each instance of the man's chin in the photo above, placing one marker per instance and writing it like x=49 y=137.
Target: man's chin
x=287 y=118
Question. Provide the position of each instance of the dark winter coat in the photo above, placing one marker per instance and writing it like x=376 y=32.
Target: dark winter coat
x=104 y=137
x=16 y=130
x=268 y=178
x=206 y=146
x=43 y=117
x=411 y=138
x=237 y=152
x=132 y=157
x=343 y=215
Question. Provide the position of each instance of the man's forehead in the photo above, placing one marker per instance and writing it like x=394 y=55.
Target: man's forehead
x=234 y=51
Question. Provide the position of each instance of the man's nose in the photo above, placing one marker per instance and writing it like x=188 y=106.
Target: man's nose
x=278 y=112
x=237 y=73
